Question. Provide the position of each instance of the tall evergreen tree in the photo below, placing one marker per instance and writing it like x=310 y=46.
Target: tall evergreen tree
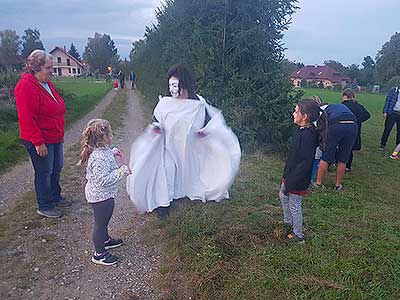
x=388 y=59
x=367 y=72
x=101 y=52
x=9 y=49
x=235 y=48
x=31 y=41
x=73 y=51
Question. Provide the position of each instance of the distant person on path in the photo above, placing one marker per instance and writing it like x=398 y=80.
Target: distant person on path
x=115 y=85
x=41 y=112
x=103 y=175
x=298 y=168
x=121 y=78
x=361 y=114
x=391 y=114
x=132 y=78
x=341 y=133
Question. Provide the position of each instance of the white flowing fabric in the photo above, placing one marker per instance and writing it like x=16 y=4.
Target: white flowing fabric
x=177 y=162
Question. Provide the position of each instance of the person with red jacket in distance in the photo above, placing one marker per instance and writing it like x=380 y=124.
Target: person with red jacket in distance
x=41 y=112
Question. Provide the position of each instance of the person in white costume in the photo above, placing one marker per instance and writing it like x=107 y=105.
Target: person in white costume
x=188 y=151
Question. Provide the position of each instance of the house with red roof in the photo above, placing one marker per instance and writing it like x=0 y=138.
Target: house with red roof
x=64 y=64
x=326 y=75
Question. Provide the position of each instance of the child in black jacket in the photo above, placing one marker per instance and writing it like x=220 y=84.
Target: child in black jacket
x=361 y=114
x=298 y=167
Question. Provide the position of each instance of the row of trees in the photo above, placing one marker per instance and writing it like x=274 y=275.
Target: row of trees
x=100 y=51
x=384 y=70
x=235 y=50
x=14 y=50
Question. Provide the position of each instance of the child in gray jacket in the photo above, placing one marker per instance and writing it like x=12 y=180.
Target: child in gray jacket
x=103 y=175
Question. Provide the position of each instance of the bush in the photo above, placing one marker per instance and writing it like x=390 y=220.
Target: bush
x=394 y=81
x=236 y=61
x=337 y=87
x=8 y=81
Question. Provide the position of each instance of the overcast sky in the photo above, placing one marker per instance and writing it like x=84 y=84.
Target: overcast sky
x=344 y=30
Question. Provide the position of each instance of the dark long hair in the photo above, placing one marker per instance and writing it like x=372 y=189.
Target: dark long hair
x=313 y=110
x=309 y=107
x=185 y=76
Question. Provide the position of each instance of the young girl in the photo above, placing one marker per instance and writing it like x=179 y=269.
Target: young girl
x=115 y=85
x=102 y=174
x=298 y=167
x=395 y=153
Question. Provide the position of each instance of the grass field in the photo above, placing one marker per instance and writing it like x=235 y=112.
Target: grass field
x=80 y=95
x=235 y=249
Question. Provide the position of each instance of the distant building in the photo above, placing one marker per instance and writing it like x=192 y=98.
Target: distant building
x=64 y=64
x=319 y=74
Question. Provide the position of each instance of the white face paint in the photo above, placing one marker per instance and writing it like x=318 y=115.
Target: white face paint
x=174 y=87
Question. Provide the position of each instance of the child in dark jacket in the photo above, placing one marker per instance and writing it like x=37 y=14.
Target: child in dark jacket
x=361 y=114
x=298 y=167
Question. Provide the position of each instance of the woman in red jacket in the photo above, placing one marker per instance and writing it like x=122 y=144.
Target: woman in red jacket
x=41 y=112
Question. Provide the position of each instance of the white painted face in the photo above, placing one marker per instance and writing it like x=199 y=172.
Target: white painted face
x=174 y=87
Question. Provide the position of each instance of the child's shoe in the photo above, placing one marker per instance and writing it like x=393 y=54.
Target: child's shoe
x=105 y=259
x=112 y=243
x=394 y=156
x=294 y=239
x=338 y=187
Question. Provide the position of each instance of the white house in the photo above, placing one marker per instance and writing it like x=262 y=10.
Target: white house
x=64 y=64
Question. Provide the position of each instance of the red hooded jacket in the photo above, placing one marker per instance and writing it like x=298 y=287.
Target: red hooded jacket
x=40 y=116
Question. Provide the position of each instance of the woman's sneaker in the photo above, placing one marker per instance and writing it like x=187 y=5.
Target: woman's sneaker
x=105 y=259
x=50 y=213
x=113 y=243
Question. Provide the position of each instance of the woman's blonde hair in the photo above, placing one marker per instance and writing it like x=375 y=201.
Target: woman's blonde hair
x=96 y=134
x=36 y=60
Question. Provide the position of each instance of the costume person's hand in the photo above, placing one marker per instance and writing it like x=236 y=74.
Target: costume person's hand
x=41 y=150
x=385 y=115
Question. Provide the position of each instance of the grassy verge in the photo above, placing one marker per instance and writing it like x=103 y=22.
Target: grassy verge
x=80 y=95
x=116 y=111
x=236 y=250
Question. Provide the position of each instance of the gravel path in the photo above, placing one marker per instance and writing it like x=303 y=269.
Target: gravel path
x=50 y=259
x=19 y=179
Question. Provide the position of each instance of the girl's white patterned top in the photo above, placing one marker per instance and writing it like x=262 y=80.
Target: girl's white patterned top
x=103 y=174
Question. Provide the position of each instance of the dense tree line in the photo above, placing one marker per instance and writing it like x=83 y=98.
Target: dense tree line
x=235 y=50
x=384 y=70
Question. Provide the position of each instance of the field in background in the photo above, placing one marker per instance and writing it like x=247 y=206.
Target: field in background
x=81 y=96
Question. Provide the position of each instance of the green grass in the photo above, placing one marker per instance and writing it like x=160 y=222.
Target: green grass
x=116 y=111
x=235 y=249
x=80 y=95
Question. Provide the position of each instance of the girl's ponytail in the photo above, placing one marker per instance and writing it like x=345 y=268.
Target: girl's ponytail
x=86 y=149
x=96 y=134
x=322 y=128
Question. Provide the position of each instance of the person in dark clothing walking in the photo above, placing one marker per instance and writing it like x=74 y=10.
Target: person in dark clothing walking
x=361 y=114
x=298 y=167
x=132 y=78
x=391 y=114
